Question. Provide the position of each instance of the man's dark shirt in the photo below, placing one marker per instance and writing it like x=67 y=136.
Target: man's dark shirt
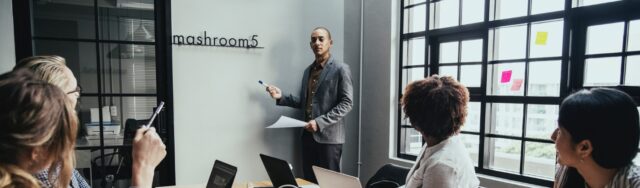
x=313 y=84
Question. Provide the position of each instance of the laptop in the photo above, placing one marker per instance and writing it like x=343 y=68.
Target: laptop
x=280 y=173
x=222 y=175
x=329 y=178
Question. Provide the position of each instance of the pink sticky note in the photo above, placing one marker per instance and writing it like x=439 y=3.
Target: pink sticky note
x=517 y=84
x=506 y=76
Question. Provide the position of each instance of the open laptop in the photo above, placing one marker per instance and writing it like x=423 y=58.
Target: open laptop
x=222 y=175
x=329 y=178
x=280 y=173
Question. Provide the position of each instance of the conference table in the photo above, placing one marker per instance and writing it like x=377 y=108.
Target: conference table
x=300 y=182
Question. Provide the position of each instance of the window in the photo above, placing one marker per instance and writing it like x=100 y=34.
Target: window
x=111 y=48
x=462 y=60
x=518 y=62
x=609 y=60
x=450 y=13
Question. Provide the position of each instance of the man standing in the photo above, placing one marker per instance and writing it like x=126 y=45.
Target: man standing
x=326 y=97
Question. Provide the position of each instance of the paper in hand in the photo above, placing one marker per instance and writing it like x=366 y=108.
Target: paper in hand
x=287 y=122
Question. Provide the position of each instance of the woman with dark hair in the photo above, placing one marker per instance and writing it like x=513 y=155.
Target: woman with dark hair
x=437 y=108
x=597 y=139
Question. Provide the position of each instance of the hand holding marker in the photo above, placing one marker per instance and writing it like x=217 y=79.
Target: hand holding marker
x=264 y=84
x=273 y=91
x=153 y=116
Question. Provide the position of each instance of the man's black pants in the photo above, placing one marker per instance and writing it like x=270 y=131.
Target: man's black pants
x=318 y=154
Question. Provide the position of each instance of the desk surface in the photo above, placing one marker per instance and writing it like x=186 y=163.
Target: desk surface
x=300 y=182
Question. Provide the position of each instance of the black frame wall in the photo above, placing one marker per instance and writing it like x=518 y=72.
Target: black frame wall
x=24 y=47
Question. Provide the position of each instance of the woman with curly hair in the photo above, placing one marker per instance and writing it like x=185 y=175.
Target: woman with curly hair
x=437 y=108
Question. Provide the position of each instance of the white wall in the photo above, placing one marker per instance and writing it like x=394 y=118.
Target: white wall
x=380 y=38
x=220 y=109
x=7 y=44
x=352 y=32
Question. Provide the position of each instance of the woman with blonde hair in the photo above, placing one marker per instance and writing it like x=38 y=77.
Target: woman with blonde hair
x=52 y=69
x=37 y=131
x=147 y=152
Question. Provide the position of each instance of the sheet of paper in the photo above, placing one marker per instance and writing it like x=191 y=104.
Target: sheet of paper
x=541 y=37
x=287 y=122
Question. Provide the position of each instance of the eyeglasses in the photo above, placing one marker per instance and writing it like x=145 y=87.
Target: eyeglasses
x=78 y=89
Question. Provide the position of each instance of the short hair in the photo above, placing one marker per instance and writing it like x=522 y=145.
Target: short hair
x=325 y=29
x=35 y=115
x=49 y=68
x=606 y=117
x=436 y=106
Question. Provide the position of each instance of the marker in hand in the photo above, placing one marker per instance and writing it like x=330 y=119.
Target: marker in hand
x=153 y=116
x=264 y=84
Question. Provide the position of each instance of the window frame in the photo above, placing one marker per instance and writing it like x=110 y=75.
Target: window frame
x=23 y=17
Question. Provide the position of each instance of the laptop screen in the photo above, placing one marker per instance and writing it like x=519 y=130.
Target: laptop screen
x=222 y=175
x=279 y=171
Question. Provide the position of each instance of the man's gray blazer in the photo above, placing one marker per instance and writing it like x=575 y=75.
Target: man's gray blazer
x=332 y=101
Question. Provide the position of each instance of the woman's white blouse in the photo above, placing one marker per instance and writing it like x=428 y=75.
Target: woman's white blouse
x=447 y=164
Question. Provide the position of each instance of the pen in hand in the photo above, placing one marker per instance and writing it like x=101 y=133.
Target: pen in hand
x=262 y=83
x=153 y=116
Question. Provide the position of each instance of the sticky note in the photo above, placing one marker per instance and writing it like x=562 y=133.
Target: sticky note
x=517 y=84
x=506 y=76
x=541 y=37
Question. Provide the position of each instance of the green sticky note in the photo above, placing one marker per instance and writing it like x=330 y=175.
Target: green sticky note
x=541 y=37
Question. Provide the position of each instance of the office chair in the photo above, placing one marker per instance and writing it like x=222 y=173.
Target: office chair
x=389 y=176
x=122 y=170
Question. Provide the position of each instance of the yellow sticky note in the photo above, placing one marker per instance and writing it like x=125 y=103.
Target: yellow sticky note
x=541 y=37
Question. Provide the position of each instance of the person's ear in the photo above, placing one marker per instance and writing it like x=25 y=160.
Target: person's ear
x=34 y=154
x=584 y=149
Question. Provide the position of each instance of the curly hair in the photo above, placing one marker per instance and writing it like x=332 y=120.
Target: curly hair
x=436 y=106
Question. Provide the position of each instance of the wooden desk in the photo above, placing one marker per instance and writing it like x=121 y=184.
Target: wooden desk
x=300 y=182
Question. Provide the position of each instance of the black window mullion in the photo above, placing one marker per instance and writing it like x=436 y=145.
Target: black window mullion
x=413 y=66
x=625 y=38
x=529 y=7
x=470 y=132
x=435 y=57
x=459 y=59
x=526 y=62
x=565 y=88
x=524 y=133
x=427 y=62
x=100 y=97
x=483 y=86
x=413 y=5
x=577 y=59
x=400 y=64
x=459 y=15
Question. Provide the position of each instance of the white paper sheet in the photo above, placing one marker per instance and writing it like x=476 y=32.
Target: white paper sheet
x=287 y=122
